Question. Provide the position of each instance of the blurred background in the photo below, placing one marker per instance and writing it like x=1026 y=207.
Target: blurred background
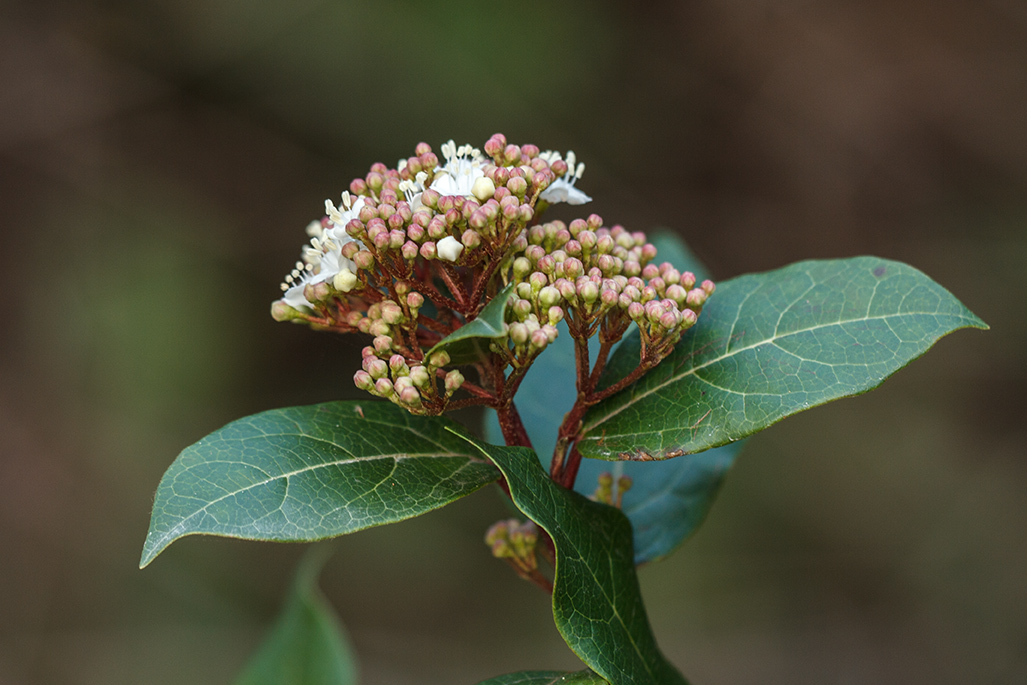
x=159 y=161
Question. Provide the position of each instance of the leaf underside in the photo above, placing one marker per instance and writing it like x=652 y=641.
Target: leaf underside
x=770 y=345
x=309 y=473
x=597 y=604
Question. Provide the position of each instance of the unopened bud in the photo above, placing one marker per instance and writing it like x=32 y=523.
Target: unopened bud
x=696 y=298
x=398 y=365
x=454 y=379
x=548 y=296
x=708 y=287
x=449 y=249
x=439 y=359
x=470 y=239
x=363 y=380
x=383 y=386
x=483 y=188
x=283 y=312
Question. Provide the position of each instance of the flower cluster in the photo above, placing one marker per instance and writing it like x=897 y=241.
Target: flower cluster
x=415 y=252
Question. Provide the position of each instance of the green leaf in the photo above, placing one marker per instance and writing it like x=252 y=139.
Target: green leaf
x=597 y=604
x=307 y=644
x=770 y=345
x=667 y=500
x=464 y=344
x=309 y=473
x=586 y=677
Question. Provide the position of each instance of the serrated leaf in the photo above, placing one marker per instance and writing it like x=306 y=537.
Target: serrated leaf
x=667 y=500
x=309 y=473
x=586 y=677
x=307 y=644
x=773 y=344
x=597 y=604
x=464 y=345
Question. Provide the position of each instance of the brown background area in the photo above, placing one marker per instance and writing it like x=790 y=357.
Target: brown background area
x=159 y=160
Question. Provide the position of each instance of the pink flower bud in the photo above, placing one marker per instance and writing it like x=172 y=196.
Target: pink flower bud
x=383 y=386
x=357 y=186
x=494 y=145
x=539 y=339
x=522 y=307
x=670 y=320
x=608 y=298
x=708 y=287
x=439 y=359
x=376 y=368
x=398 y=365
x=604 y=245
x=397 y=238
x=696 y=298
x=568 y=290
x=688 y=318
x=555 y=315
x=386 y=210
x=636 y=311
x=478 y=220
x=535 y=252
x=525 y=213
x=648 y=252
x=548 y=296
x=392 y=313
x=470 y=239
x=375 y=181
x=396 y=221
x=517 y=185
x=588 y=292
x=416 y=232
x=538 y=280
x=430 y=198
x=378 y=327
x=677 y=293
x=316 y=292
x=454 y=379
x=518 y=333
x=410 y=397
x=419 y=376
x=363 y=380
x=415 y=301
x=659 y=284
x=428 y=250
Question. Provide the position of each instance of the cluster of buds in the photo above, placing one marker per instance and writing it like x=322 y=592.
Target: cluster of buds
x=601 y=279
x=414 y=252
x=516 y=543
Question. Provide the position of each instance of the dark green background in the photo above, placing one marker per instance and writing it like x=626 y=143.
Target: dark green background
x=159 y=160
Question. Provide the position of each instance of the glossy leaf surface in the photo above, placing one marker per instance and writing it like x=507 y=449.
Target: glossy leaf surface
x=307 y=644
x=770 y=345
x=308 y=473
x=597 y=604
x=586 y=677
x=667 y=500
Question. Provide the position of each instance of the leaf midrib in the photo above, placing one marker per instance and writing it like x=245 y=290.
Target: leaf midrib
x=691 y=371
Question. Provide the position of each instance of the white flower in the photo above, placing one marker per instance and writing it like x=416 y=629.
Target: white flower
x=449 y=248
x=461 y=170
x=562 y=189
x=322 y=258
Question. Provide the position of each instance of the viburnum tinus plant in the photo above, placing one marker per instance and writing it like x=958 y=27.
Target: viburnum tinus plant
x=619 y=380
